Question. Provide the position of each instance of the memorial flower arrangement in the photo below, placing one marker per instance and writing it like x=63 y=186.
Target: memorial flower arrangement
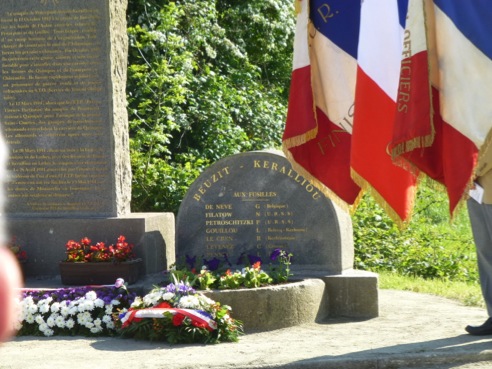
x=217 y=274
x=86 y=311
x=87 y=252
x=178 y=314
x=17 y=250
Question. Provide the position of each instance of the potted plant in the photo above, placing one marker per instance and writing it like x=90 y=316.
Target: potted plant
x=88 y=263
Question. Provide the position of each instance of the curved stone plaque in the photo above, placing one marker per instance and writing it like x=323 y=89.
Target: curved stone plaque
x=255 y=202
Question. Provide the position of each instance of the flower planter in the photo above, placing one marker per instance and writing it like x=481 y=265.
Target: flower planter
x=80 y=274
x=274 y=307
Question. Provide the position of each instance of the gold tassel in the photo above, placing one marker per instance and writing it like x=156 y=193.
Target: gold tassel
x=297 y=6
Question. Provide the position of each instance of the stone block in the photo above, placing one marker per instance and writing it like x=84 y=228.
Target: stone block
x=352 y=294
x=44 y=239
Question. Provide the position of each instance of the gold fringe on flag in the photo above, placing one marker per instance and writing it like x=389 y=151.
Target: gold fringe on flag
x=301 y=139
x=362 y=183
x=320 y=186
x=297 y=6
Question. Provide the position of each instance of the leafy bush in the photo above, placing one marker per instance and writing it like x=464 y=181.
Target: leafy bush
x=430 y=246
x=206 y=79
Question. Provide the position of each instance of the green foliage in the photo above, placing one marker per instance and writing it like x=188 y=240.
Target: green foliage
x=217 y=274
x=201 y=86
x=429 y=247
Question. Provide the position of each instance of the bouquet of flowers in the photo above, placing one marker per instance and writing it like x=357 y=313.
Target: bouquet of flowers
x=85 y=251
x=87 y=311
x=178 y=314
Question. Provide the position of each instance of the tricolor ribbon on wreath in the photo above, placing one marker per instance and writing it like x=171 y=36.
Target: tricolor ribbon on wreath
x=198 y=318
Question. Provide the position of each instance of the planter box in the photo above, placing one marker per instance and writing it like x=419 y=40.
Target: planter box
x=81 y=274
x=275 y=307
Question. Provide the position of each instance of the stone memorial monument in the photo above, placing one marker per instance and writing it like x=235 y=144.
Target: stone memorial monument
x=252 y=203
x=63 y=116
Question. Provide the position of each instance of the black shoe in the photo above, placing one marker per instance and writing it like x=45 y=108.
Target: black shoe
x=480 y=330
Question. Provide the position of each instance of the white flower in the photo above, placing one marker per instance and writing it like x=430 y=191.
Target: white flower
x=137 y=303
x=73 y=310
x=115 y=302
x=96 y=329
x=55 y=307
x=189 y=302
x=70 y=323
x=167 y=296
x=97 y=322
x=109 y=309
x=110 y=325
x=60 y=321
x=43 y=327
x=89 y=325
x=99 y=303
x=43 y=308
x=83 y=318
x=89 y=305
x=48 y=332
x=29 y=319
x=39 y=319
x=45 y=301
x=50 y=321
x=64 y=310
x=91 y=295
x=107 y=318
x=32 y=308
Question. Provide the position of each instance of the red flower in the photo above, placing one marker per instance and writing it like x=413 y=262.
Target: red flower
x=199 y=324
x=85 y=241
x=86 y=252
x=257 y=265
x=178 y=319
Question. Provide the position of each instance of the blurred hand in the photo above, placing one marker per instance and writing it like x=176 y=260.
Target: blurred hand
x=10 y=280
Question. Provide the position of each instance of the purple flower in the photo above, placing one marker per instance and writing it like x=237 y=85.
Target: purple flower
x=212 y=264
x=181 y=288
x=275 y=254
x=254 y=259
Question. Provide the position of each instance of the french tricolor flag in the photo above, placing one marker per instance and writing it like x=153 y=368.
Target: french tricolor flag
x=462 y=80
x=456 y=50
x=379 y=60
x=317 y=135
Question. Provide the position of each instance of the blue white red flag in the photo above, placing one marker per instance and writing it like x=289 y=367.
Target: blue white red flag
x=462 y=81
x=379 y=61
x=459 y=54
x=197 y=317
x=321 y=102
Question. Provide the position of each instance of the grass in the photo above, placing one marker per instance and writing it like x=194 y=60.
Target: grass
x=468 y=294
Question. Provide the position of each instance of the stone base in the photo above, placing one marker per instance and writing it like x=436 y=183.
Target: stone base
x=274 y=307
x=352 y=294
x=44 y=239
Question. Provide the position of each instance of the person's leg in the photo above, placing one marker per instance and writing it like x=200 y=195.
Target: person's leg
x=481 y=224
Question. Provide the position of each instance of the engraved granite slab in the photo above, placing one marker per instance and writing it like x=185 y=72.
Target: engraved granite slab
x=62 y=107
x=252 y=203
